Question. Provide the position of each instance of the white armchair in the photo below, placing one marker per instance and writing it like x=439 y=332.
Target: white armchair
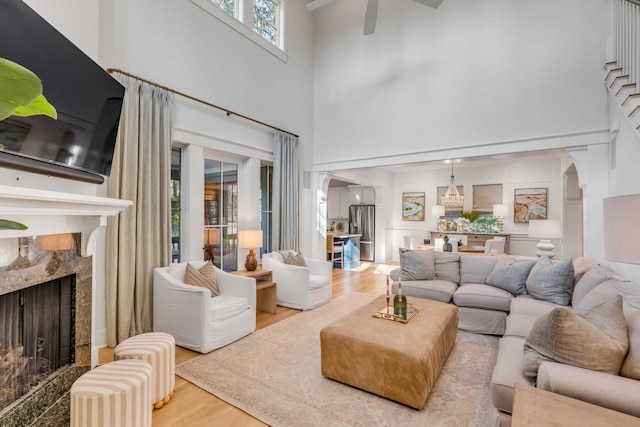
x=298 y=287
x=195 y=319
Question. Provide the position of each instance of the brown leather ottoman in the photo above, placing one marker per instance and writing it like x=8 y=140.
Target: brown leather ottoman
x=391 y=359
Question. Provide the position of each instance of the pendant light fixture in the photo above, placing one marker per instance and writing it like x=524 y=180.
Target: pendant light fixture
x=452 y=198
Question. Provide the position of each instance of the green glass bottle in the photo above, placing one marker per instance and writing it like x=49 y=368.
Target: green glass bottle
x=400 y=303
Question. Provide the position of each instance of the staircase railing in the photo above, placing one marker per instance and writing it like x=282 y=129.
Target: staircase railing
x=623 y=73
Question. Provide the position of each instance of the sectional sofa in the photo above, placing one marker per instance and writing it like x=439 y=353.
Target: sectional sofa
x=570 y=326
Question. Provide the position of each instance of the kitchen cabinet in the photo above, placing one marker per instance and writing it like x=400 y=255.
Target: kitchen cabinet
x=338 y=202
x=362 y=195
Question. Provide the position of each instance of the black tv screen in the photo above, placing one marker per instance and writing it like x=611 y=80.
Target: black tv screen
x=88 y=101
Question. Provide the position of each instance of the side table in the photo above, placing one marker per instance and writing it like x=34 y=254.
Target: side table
x=535 y=407
x=265 y=288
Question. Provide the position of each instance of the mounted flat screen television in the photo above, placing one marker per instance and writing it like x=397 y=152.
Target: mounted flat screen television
x=80 y=143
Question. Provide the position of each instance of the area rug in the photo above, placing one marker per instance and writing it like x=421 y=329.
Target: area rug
x=274 y=375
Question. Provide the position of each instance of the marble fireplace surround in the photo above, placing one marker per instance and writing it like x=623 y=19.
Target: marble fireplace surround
x=50 y=212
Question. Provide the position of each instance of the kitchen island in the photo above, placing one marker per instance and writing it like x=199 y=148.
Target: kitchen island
x=351 y=249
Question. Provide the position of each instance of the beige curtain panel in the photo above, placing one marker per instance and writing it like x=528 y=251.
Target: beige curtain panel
x=138 y=240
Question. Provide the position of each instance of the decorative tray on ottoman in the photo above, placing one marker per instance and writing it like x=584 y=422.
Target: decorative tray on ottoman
x=387 y=314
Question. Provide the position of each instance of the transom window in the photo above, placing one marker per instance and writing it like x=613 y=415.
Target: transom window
x=228 y=6
x=262 y=16
x=265 y=19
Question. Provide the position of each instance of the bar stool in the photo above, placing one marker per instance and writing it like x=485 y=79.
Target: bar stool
x=334 y=248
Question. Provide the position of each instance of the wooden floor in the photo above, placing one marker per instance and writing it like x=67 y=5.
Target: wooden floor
x=192 y=406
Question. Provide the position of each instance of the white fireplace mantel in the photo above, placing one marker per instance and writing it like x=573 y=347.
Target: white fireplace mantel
x=53 y=212
x=28 y=201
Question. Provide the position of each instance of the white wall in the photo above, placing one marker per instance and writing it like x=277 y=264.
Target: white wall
x=469 y=74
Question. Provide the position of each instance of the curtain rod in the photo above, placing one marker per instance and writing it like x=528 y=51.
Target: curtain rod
x=193 y=98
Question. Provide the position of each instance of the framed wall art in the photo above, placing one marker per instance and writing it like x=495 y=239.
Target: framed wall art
x=529 y=203
x=413 y=206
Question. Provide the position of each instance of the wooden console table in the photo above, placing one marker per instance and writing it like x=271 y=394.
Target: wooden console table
x=473 y=239
x=535 y=407
x=265 y=289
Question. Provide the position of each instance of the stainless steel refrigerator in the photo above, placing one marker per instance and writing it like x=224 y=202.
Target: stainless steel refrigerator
x=362 y=220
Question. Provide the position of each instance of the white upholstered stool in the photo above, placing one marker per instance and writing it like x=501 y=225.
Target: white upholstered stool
x=115 y=394
x=159 y=350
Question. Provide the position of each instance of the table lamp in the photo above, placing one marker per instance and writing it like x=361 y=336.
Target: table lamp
x=437 y=211
x=501 y=211
x=545 y=230
x=250 y=239
x=55 y=243
x=211 y=238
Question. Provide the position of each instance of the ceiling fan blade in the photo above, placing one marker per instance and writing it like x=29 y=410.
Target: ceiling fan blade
x=317 y=3
x=431 y=3
x=370 y=17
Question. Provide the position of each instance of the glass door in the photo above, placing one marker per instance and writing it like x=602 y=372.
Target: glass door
x=221 y=214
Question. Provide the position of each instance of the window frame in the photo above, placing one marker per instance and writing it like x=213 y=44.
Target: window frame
x=243 y=24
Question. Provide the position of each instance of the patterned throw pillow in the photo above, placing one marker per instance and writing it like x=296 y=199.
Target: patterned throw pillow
x=297 y=259
x=205 y=277
x=594 y=339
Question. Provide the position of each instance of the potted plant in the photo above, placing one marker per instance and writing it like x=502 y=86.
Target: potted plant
x=447 y=247
x=20 y=95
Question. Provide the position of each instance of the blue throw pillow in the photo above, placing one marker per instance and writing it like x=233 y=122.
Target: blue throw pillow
x=510 y=275
x=550 y=281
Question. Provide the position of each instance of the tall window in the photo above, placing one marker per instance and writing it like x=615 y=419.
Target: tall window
x=265 y=19
x=176 y=168
x=266 y=186
x=221 y=213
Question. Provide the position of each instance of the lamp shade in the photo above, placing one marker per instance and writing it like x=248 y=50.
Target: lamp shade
x=621 y=232
x=250 y=239
x=55 y=242
x=437 y=210
x=545 y=229
x=501 y=210
x=211 y=236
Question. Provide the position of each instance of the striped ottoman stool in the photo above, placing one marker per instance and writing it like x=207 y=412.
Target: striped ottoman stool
x=115 y=394
x=159 y=350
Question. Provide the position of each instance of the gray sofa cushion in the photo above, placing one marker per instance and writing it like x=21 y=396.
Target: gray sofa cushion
x=589 y=280
x=417 y=264
x=524 y=313
x=510 y=275
x=437 y=290
x=507 y=372
x=550 y=281
x=476 y=268
x=481 y=321
x=478 y=295
x=448 y=266
x=594 y=339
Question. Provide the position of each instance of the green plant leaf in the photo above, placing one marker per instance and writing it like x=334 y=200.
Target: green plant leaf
x=19 y=87
x=5 y=224
x=39 y=106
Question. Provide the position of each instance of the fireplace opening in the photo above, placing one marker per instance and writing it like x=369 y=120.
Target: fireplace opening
x=38 y=336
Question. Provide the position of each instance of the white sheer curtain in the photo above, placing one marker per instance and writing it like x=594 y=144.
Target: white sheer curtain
x=138 y=240
x=285 y=192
